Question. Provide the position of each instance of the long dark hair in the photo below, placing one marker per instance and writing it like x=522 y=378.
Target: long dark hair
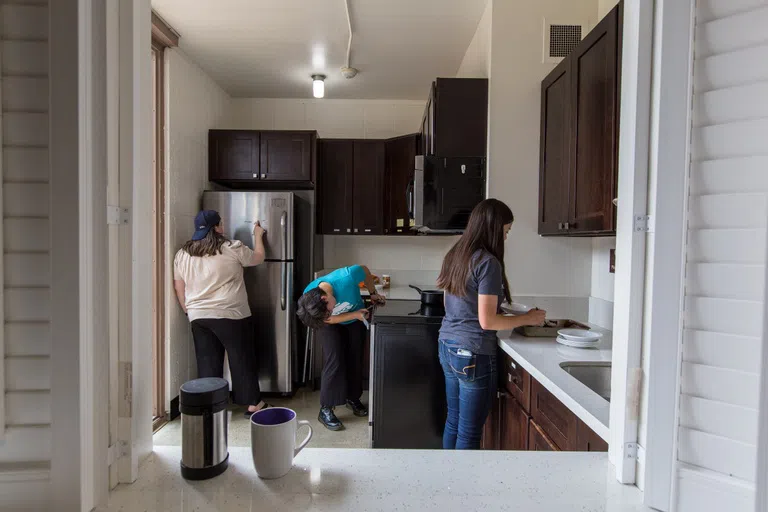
x=485 y=231
x=208 y=246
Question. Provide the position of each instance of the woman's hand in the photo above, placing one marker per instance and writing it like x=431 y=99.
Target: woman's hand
x=378 y=299
x=360 y=314
x=535 y=317
x=258 y=231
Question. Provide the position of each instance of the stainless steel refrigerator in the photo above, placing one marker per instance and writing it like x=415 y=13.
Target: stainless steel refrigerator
x=274 y=286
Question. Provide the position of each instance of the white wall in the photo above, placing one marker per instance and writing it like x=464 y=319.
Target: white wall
x=604 y=7
x=25 y=445
x=535 y=265
x=194 y=104
x=477 y=60
x=601 y=292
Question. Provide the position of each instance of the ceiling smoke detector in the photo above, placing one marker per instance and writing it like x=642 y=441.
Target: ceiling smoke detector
x=349 y=72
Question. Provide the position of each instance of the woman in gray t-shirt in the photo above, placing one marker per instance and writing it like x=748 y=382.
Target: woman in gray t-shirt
x=475 y=285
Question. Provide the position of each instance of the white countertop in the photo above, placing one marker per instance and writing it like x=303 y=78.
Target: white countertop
x=541 y=357
x=331 y=479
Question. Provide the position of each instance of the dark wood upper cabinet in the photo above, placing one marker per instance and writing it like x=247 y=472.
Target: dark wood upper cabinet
x=455 y=120
x=579 y=136
x=255 y=159
x=287 y=156
x=554 y=173
x=399 y=169
x=594 y=148
x=368 y=187
x=336 y=163
x=233 y=155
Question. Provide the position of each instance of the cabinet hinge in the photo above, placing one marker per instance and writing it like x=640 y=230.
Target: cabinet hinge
x=630 y=451
x=117 y=215
x=643 y=223
x=117 y=451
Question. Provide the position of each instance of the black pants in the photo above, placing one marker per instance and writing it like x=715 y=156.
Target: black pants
x=342 y=363
x=214 y=336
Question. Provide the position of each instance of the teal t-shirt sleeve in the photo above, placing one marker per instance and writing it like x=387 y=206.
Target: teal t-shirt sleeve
x=357 y=273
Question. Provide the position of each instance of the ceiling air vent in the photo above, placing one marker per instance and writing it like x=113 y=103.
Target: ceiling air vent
x=561 y=38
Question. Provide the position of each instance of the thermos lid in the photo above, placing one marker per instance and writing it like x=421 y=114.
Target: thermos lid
x=204 y=392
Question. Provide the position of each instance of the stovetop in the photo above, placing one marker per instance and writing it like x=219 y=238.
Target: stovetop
x=407 y=311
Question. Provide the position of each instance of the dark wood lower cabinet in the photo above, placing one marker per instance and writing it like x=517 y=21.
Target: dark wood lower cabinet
x=588 y=441
x=514 y=425
x=524 y=415
x=554 y=417
x=539 y=441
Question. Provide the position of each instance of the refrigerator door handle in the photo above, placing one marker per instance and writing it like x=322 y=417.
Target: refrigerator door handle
x=283 y=284
x=284 y=228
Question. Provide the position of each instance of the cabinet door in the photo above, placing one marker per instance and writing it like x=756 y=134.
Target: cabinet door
x=555 y=419
x=368 y=188
x=538 y=440
x=460 y=117
x=588 y=440
x=233 y=155
x=335 y=201
x=554 y=159
x=514 y=425
x=594 y=107
x=400 y=163
x=491 y=439
x=286 y=156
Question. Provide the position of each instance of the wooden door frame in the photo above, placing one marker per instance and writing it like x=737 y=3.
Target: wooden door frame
x=158 y=232
x=163 y=36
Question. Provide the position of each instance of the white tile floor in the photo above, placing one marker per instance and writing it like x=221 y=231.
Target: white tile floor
x=306 y=404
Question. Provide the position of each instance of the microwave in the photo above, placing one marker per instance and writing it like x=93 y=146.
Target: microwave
x=443 y=193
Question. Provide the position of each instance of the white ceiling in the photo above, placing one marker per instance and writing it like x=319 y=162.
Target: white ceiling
x=269 y=48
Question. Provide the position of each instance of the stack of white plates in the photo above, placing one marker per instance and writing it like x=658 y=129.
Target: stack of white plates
x=578 y=338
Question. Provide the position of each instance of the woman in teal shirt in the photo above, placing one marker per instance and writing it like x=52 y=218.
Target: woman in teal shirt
x=333 y=306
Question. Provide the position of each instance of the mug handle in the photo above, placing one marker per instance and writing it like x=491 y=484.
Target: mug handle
x=306 y=439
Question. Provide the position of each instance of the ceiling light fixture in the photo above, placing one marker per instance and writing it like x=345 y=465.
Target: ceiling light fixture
x=318 y=86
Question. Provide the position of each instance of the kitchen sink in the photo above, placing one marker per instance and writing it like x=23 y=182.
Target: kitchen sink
x=596 y=376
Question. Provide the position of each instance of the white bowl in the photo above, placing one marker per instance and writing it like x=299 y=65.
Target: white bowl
x=515 y=308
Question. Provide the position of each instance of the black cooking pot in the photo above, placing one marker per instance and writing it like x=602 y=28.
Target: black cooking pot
x=430 y=297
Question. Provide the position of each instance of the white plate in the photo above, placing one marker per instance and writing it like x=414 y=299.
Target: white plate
x=576 y=344
x=579 y=335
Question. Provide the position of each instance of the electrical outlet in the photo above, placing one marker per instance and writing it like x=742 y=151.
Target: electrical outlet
x=612 y=258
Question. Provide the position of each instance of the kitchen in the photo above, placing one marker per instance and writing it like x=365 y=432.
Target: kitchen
x=374 y=179
x=561 y=251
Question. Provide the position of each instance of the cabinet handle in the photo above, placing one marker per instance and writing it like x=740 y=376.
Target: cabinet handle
x=256 y=175
x=355 y=230
x=367 y=230
x=336 y=230
x=348 y=230
x=560 y=226
x=263 y=176
x=512 y=365
x=567 y=226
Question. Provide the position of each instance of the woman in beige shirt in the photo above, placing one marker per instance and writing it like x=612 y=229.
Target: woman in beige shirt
x=208 y=279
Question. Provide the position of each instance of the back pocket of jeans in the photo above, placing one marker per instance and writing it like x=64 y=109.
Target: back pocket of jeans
x=463 y=366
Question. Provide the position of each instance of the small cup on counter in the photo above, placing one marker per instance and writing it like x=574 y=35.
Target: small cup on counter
x=385 y=281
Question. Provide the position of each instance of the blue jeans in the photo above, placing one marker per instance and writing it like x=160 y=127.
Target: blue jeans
x=470 y=382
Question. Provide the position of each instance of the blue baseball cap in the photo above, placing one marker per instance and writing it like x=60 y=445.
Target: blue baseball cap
x=205 y=221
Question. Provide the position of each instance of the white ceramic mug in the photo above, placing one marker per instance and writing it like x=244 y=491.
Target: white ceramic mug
x=273 y=441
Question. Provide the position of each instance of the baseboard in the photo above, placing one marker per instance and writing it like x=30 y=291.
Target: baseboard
x=25 y=486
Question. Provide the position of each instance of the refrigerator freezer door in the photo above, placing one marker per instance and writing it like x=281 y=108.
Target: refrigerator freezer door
x=266 y=283
x=274 y=210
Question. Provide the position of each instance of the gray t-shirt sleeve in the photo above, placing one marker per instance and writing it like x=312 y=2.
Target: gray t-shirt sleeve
x=489 y=276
